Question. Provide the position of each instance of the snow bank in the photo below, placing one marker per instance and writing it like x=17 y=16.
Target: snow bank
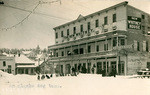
x=83 y=84
x=10 y=78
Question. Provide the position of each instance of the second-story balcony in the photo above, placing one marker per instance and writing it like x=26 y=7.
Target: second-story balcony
x=84 y=56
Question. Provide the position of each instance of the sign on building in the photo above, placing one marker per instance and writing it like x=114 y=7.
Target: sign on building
x=134 y=23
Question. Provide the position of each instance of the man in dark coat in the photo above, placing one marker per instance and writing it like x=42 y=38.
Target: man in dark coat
x=114 y=72
x=73 y=71
x=103 y=72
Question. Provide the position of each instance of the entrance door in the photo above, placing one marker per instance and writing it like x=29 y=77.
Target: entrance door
x=99 y=67
x=61 y=69
x=89 y=68
x=67 y=68
x=75 y=66
x=113 y=65
x=121 y=68
x=26 y=71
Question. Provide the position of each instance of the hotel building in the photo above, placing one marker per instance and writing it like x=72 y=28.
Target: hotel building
x=113 y=38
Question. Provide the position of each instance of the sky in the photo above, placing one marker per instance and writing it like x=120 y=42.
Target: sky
x=37 y=28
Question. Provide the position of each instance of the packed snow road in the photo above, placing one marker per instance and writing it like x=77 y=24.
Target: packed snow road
x=83 y=84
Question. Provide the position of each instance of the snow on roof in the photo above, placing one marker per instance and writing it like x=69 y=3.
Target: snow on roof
x=8 y=54
x=26 y=52
x=26 y=66
x=23 y=59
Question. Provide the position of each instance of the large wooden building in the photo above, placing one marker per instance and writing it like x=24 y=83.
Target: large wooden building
x=116 y=37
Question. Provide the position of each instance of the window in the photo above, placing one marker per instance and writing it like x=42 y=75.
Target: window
x=105 y=20
x=96 y=23
x=138 y=46
x=89 y=26
x=81 y=28
x=56 y=35
x=148 y=65
x=67 y=32
x=75 y=51
x=4 y=63
x=9 y=68
x=89 y=49
x=147 y=46
x=114 y=42
x=114 y=17
x=62 y=53
x=143 y=29
x=74 y=30
x=143 y=16
x=81 y=51
x=68 y=53
x=97 y=48
x=105 y=47
x=122 y=42
x=56 y=54
x=62 y=33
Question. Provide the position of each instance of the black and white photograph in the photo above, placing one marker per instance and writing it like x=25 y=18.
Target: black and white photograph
x=74 y=47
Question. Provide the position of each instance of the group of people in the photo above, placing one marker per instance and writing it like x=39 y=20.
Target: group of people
x=112 y=73
x=81 y=69
x=44 y=76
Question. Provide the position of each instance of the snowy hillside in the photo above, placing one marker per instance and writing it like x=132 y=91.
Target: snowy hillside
x=83 y=84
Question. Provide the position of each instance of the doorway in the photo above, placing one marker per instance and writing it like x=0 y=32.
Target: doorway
x=99 y=67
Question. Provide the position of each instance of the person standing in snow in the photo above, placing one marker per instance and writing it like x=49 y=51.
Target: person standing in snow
x=103 y=72
x=114 y=72
x=93 y=70
x=79 y=67
x=73 y=71
x=38 y=77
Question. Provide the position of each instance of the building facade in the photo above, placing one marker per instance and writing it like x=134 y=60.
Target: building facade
x=7 y=64
x=114 y=38
x=17 y=64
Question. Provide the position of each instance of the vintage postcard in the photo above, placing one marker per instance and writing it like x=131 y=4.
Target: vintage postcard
x=74 y=47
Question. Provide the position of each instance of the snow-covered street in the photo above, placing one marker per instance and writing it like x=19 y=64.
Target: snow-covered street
x=83 y=84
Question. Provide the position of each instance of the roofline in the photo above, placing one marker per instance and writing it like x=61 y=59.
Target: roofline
x=106 y=9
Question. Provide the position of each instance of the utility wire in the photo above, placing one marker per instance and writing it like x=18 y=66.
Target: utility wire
x=37 y=12
x=40 y=2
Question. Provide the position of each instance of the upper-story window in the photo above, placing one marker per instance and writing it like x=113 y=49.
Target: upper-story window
x=143 y=29
x=89 y=26
x=74 y=30
x=4 y=63
x=122 y=42
x=81 y=50
x=56 y=34
x=147 y=49
x=105 y=20
x=97 y=48
x=114 y=17
x=138 y=46
x=56 y=54
x=81 y=28
x=143 y=16
x=75 y=51
x=89 y=49
x=114 y=42
x=67 y=32
x=62 y=53
x=96 y=23
x=105 y=47
x=62 y=34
